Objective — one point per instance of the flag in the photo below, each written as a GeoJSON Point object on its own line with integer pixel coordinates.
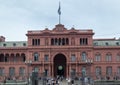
{"type": "Point", "coordinates": [59, 9]}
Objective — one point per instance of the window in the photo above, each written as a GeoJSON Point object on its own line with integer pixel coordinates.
{"type": "Point", "coordinates": [117, 43]}
{"type": "Point", "coordinates": [24, 44]}
{"type": "Point", "coordinates": [11, 71]}
{"type": "Point", "coordinates": [108, 57]}
{"type": "Point", "coordinates": [59, 41]}
{"type": "Point", "coordinates": [73, 58]}
{"type": "Point", "coordinates": [23, 57]}
{"type": "Point", "coordinates": [21, 71]}
{"type": "Point", "coordinates": [6, 58]}
{"type": "Point", "coordinates": [97, 57]}
{"type": "Point", "coordinates": [118, 57]}
{"type": "Point", "coordinates": [106, 43]}
{"type": "Point", "coordinates": [14, 44]}
{"type": "Point", "coordinates": [109, 70]}
{"type": "Point", "coordinates": [36, 69]}
{"type": "Point", "coordinates": [1, 71]}
{"type": "Point", "coordinates": [4, 44]}
{"type": "Point", "coordinates": [96, 44]}
{"type": "Point", "coordinates": [83, 41]}
{"type": "Point", "coordinates": [46, 58]}
{"type": "Point", "coordinates": [35, 42]}
{"type": "Point", "coordinates": [98, 71]}
{"type": "Point", "coordinates": [84, 56]}
{"type": "Point", "coordinates": [2, 58]}
{"type": "Point", "coordinates": [73, 72]}
{"type": "Point", "coordinates": [83, 71]}
{"type": "Point", "coordinates": [46, 72]}
{"type": "Point", "coordinates": [118, 70]}
{"type": "Point", "coordinates": [36, 55]}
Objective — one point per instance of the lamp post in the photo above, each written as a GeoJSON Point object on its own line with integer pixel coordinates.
{"type": "Point", "coordinates": [71, 74]}
{"type": "Point", "coordinates": [83, 76]}
{"type": "Point", "coordinates": [28, 63]}
{"type": "Point", "coordinates": [44, 79]}
{"type": "Point", "coordinates": [89, 62]}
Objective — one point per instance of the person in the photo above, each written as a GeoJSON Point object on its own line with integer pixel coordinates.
{"type": "Point", "coordinates": [69, 81]}
{"type": "Point", "coordinates": [72, 82]}
{"type": "Point", "coordinates": [61, 78]}
{"type": "Point", "coordinates": [57, 82]}
{"type": "Point", "coordinates": [4, 81]}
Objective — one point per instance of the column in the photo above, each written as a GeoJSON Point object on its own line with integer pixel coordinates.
{"type": "Point", "coordinates": [67, 70]}
{"type": "Point", "coordinates": [49, 70]}
{"type": "Point", "coordinates": [76, 69]}
{"type": "Point", "coordinates": [52, 75]}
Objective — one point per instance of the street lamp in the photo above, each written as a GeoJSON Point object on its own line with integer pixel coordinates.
{"type": "Point", "coordinates": [44, 79]}
{"type": "Point", "coordinates": [71, 74]}
{"type": "Point", "coordinates": [28, 63]}
{"type": "Point", "coordinates": [83, 76]}
{"type": "Point", "coordinates": [89, 62]}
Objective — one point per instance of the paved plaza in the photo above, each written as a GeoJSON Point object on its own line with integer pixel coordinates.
{"type": "Point", "coordinates": [64, 82]}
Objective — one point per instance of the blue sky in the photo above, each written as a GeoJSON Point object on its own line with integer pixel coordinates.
{"type": "Point", "coordinates": [19, 16]}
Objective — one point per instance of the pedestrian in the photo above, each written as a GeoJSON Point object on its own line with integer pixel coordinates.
{"type": "Point", "coordinates": [4, 81]}
{"type": "Point", "coordinates": [72, 82]}
{"type": "Point", "coordinates": [69, 81]}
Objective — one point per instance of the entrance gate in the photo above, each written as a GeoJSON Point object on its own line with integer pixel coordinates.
{"type": "Point", "coordinates": [60, 65]}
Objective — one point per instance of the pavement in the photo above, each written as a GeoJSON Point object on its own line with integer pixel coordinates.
{"type": "Point", "coordinates": [64, 82]}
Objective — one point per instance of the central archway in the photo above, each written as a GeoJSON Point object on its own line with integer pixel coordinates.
{"type": "Point", "coordinates": [60, 65]}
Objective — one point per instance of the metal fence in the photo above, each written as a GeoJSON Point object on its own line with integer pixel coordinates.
{"type": "Point", "coordinates": [79, 79]}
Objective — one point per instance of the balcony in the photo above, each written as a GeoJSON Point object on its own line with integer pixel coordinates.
{"type": "Point", "coordinates": [36, 62]}
{"type": "Point", "coordinates": [85, 62]}
{"type": "Point", "coordinates": [11, 63]}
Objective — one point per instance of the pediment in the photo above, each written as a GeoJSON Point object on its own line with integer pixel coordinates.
{"type": "Point", "coordinates": [59, 28]}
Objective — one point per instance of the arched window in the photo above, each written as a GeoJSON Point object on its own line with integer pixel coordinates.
{"type": "Point", "coordinates": [12, 57]}
{"type": "Point", "coordinates": [83, 71]}
{"type": "Point", "coordinates": [84, 56]}
{"type": "Point", "coordinates": [63, 41]}
{"type": "Point", "coordinates": [108, 57]}
{"type": "Point", "coordinates": [56, 41]}
{"type": "Point", "coordinates": [118, 70]}
{"type": "Point", "coordinates": [118, 57]}
{"type": "Point", "coordinates": [52, 41]}
{"type": "Point", "coordinates": [36, 69]}
{"type": "Point", "coordinates": [23, 57]}
{"type": "Point", "coordinates": [98, 71]}
{"type": "Point", "coordinates": [73, 58]}
{"type": "Point", "coordinates": [21, 71]}
{"type": "Point", "coordinates": [2, 71]}
{"type": "Point", "coordinates": [6, 58]}
{"type": "Point", "coordinates": [46, 57]}
{"type": "Point", "coordinates": [1, 57]}
{"type": "Point", "coordinates": [36, 55]}
{"type": "Point", "coordinates": [109, 70]}
{"type": "Point", "coordinates": [67, 41]}
{"type": "Point", "coordinates": [60, 43]}
{"type": "Point", "coordinates": [97, 57]}
{"type": "Point", "coordinates": [11, 71]}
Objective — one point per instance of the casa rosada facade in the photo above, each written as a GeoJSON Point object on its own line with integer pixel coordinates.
{"type": "Point", "coordinates": [62, 52]}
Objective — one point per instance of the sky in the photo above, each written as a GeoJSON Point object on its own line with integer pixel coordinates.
{"type": "Point", "coordinates": [19, 16]}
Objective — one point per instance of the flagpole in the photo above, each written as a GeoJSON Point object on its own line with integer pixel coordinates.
{"type": "Point", "coordinates": [59, 12]}
{"type": "Point", "coordinates": [59, 19]}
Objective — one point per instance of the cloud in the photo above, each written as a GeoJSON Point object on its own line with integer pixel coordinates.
{"type": "Point", "coordinates": [23, 15]}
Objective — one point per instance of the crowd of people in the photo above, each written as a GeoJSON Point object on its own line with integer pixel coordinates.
{"type": "Point", "coordinates": [54, 81]}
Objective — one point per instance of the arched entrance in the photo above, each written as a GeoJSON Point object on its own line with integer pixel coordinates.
{"type": "Point", "coordinates": [60, 65]}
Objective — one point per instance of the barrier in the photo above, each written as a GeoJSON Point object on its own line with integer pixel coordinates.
{"type": "Point", "coordinates": [13, 82]}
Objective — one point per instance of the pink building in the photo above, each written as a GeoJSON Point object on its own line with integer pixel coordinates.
{"type": "Point", "coordinates": [60, 52]}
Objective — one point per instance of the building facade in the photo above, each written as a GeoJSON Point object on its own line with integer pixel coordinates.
{"type": "Point", "coordinates": [60, 52]}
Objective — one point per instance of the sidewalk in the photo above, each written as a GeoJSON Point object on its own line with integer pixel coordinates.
{"type": "Point", "coordinates": [64, 82]}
